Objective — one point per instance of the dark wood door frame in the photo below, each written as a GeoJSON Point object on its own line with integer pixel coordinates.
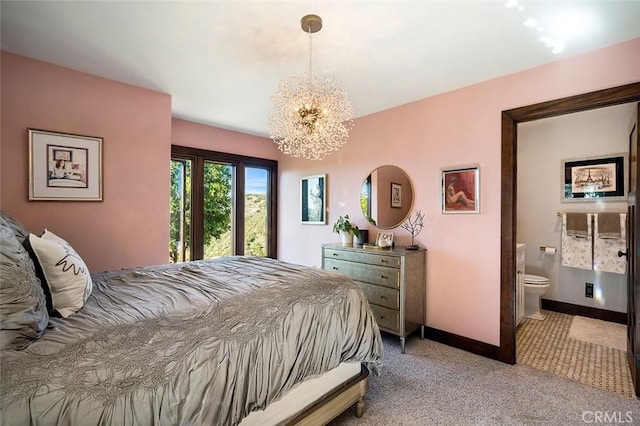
{"type": "Point", "coordinates": [510, 119]}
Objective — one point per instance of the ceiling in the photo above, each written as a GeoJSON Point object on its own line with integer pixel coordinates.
{"type": "Point", "coordinates": [221, 61]}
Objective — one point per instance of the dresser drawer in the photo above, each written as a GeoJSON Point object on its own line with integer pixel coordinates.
{"type": "Point", "coordinates": [383, 296]}
{"type": "Point", "coordinates": [363, 257]}
{"type": "Point", "coordinates": [387, 319]}
{"type": "Point", "coordinates": [380, 275]}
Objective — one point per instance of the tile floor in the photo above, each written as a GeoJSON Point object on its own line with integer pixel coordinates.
{"type": "Point", "coordinates": [546, 345]}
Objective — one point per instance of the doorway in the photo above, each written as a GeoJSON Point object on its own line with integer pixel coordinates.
{"type": "Point", "coordinates": [510, 120]}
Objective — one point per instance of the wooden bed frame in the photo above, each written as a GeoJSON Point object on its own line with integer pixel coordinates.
{"type": "Point", "coordinates": [337, 401]}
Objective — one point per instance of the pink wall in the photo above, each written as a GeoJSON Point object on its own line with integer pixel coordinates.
{"type": "Point", "coordinates": [458, 128]}
{"type": "Point", "coordinates": [194, 135]}
{"type": "Point", "coordinates": [450, 130]}
{"type": "Point", "coordinates": [130, 227]}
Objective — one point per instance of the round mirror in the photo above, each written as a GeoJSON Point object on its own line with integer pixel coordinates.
{"type": "Point", "coordinates": [386, 197]}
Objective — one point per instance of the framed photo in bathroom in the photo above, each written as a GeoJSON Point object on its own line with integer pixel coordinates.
{"type": "Point", "coordinates": [461, 190]}
{"type": "Point", "coordinates": [593, 178]}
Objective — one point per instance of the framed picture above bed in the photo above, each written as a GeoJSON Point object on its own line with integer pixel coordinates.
{"type": "Point", "coordinates": [64, 167]}
{"type": "Point", "coordinates": [313, 196]}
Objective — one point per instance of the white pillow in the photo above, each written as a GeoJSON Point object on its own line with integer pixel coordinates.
{"type": "Point", "coordinates": [65, 278]}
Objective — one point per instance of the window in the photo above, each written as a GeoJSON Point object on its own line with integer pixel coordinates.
{"type": "Point", "coordinates": [221, 204]}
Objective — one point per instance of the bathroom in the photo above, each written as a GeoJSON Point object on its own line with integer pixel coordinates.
{"type": "Point", "coordinates": [543, 145]}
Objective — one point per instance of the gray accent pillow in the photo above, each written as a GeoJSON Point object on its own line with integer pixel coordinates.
{"type": "Point", "coordinates": [23, 309]}
{"type": "Point", "coordinates": [18, 229]}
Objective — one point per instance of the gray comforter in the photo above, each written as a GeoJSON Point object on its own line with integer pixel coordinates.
{"type": "Point", "coordinates": [195, 343]}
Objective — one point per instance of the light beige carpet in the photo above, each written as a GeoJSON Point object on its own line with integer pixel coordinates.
{"type": "Point", "coordinates": [599, 332]}
{"type": "Point", "coordinates": [437, 385]}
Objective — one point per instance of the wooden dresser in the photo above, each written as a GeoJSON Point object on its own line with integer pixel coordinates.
{"type": "Point", "coordinates": [392, 279]}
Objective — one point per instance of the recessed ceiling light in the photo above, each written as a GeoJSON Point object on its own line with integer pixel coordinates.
{"type": "Point", "coordinates": [572, 25]}
{"type": "Point", "coordinates": [558, 47]}
{"type": "Point", "coordinates": [555, 32]}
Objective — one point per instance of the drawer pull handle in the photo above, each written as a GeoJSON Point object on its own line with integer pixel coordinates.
{"type": "Point", "coordinates": [335, 254]}
{"type": "Point", "coordinates": [382, 297]}
{"type": "Point", "coordinates": [383, 277]}
{"type": "Point", "coordinates": [335, 268]}
{"type": "Point", "coordinates": [383, 260]}
{"type": "Point", "coordinates": [381, 317]}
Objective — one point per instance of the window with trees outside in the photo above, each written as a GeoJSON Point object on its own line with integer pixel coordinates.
{"type": "Point", "coordinates": [221, 205]}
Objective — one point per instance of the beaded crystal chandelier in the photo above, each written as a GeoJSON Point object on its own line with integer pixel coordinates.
{"type": "Point", "coordinates": [312, 115]}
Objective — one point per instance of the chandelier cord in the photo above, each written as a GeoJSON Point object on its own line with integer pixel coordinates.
{"type": "Point", "coordinates": [310, 55]}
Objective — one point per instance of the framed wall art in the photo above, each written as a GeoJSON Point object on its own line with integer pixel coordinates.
{"type": "Point", "coordinates": [589, 179]}
{"type": "Point", "coordinates": [313, 195]}
{"type": "Point", "coordinates": [396, 195]}
{"type": "Point", "coordinates": [461, 190]}
{"type": "Point", "coordinates": [64, 167]}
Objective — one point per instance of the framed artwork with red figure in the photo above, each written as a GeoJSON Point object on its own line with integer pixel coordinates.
{"type": "Point", "coordinates": [461, 190]}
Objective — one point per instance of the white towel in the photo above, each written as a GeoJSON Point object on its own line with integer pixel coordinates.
{"type": "Point", "coordinates": [577, 251]}
{"type": "Point", "coordinates": [605, 250]}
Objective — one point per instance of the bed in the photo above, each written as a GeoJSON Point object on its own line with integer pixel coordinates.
{"type": "Point", "coordinates": [237, 340]}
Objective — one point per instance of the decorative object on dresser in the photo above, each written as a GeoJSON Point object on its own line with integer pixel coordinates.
{"type": "Point", "coordinates": [346, 230]}
{"type": "Point", "coordinates": [414, 227]}
{"type": "Point", "coordinates": [313, 195]}
{"type": "Point", "coordinates": [461, 190]}
{"type": "Point", "coordinates": [363, 237]}
{"type": "Point", "coordinates": [64, 167]}
{"type": "Point", "coordinates": [385, 239]}
{"type": "Point", "coordinates": [393, 281]}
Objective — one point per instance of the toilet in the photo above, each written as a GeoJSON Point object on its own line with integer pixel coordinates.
{"type": "Point", "coordinates": [534, 287]}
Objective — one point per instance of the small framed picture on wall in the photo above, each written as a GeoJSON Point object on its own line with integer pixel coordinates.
{"type": "Point", "coordinates": [461, 190]}
{"type": "Point", "coordinates": [313, 195]}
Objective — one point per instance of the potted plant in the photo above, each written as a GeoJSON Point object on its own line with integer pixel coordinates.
{"type": "Point", "coordinates": [346, 230]}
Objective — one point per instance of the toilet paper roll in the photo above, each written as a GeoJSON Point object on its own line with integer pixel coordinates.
{"type": "Point", "coordinates": [550, 250]}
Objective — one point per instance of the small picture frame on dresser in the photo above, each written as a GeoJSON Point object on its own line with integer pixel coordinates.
{"type": "Point", "coordinates": [384, 239]}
